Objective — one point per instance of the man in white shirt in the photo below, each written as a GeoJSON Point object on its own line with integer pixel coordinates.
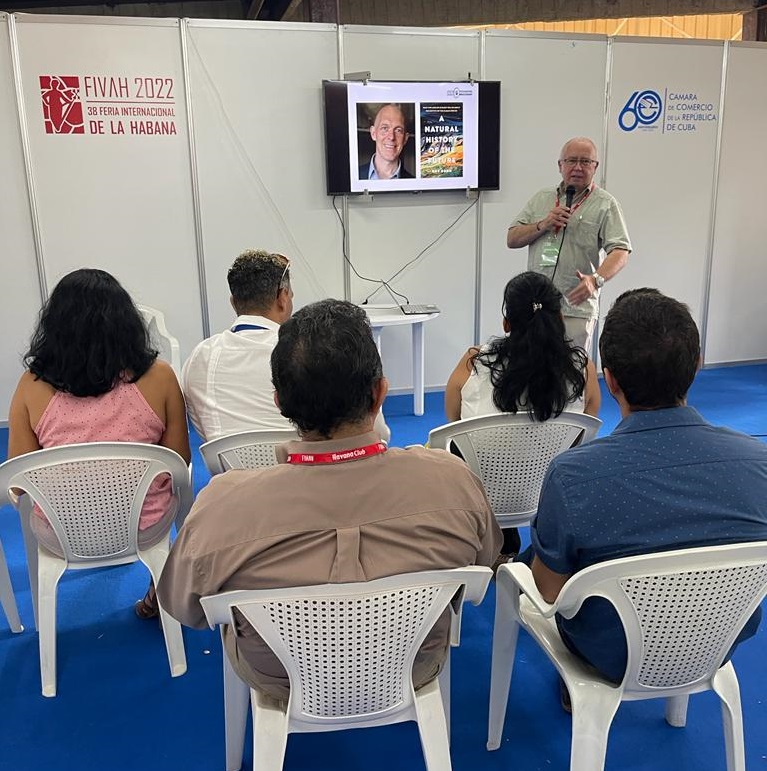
{"type": "Point", "coordinates": [227, 379]}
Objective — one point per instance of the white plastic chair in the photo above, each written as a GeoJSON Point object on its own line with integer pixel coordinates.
{"type": "Point", "coordinates": [7, 598]}
{"type": "Point", "coordinates": [348, 650]}
{"type": "Point", "coordinates": [92, 496]}
{"type": "Point", "coordinates": [166, 344]}
{"type": "Point", "coordinates": [511, 453]}
{"type": "Point", "coordinates": [244, 450]}
{"type": "Point", "coordinates": [681, 612]}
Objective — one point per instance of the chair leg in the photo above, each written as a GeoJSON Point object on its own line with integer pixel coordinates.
{"type": "Point", "coordinates": [725, 684]}
{"type": "Point", "coordinates": [174, 643]}
{"type": "Point", "coordinates": [49, 570]}
{"type": "Point", "coordinates": [236, 695]}
{"type": "Point", "coordinates": [7, 598]}
{"type": "Point", "coordinates": [593, 712]}
{"type": "Point", "coordinates": [270, 732]}
{"type": "Point", "coordinates": [30, 547]}
{"type": "Point", "coordinates": [455, 625]}
{"type": "Point", "coordinates": [444, 689]}
{"type": "Point", "coordinates": [505, 634]}
{"type": "Point", "coordinates": [676, 711]}
{"type": "Point", "coordinates": [154, 558]}
{"type": "Point", "coordinates": [432, 727]}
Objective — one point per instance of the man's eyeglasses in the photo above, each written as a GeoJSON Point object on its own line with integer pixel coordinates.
{"type": "Point", "coordinates": [284, 273]}
{"type": "Point", "coordinates": [587, 163]}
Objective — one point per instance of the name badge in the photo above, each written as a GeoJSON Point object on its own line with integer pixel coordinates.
{"type": "Point", "coordinates": [550, 253]}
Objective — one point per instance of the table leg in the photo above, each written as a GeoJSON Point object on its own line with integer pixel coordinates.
{"type": "Point", "coordinates": [418, 368]}
{"type": "Point", "coordinates": [377, 337]}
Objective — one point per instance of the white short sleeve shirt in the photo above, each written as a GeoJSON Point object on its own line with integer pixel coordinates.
{"type": "Point", "coordinates": [227, 380]}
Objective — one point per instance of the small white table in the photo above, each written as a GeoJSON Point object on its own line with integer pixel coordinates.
{"type": "Point", "coordinates": [391, 316]}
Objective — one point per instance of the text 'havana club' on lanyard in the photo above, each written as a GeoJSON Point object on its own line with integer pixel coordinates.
{"type": "Point", "coordinates": [574, 208]}
{"type": "Point", "coordinates": [339, 456]}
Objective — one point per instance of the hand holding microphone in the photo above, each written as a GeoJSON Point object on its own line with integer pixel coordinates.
{"type": "Point", "coordinates": [559, 216]}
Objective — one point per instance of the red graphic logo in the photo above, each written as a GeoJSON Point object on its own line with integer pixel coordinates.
{"type": "Point", "coordinates": [62, 108]}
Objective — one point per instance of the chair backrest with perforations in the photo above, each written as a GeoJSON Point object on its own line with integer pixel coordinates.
{"type": "Point", "coordinates": [348, 648]}
{"type": "Point", "coordinates": [244, 450]}
{"type": "Point", "coordinates": [92, 494]}
{"type": "Point", "coordinates": [681, 610]}
{"type": "Point", "coordinates": [511, 453]}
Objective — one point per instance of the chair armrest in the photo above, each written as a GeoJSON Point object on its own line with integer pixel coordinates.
{"type": "Point", "coordinates": [520, 574]}
{"type": "Point", "coordinates": [475, 590]}
{"type": "Point", "coordinates": [439, 437]}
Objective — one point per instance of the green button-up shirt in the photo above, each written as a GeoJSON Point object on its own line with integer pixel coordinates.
{"type": "Point", "coordinates": [596, 225]}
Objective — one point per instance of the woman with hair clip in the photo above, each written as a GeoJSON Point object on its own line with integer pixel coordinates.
{"type": "Point", "coordinates": [93, 376]}
{"type": "Point", "coordinates": [533, 368]}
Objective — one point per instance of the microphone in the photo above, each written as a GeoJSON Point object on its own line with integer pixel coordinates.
{"type": "Point", "coordinates": [569, 195]}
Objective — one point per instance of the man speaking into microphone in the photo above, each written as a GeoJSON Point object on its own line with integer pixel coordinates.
{"type": "Point", "coordinates": [567, 229]}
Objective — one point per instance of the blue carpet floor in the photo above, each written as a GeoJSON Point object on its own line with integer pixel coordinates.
{"type": "Point", "coordinates": [118, 708]}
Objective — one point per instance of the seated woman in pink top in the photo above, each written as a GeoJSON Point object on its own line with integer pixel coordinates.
{"type": "Point", "coordinates": [93, 376]}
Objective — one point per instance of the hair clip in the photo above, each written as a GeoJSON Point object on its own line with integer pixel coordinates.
{"type": "Point", "coordinates": [537, 307]}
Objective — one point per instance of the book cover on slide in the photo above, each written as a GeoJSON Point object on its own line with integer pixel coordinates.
{"type": "Point", "coordinates": [441, 140]}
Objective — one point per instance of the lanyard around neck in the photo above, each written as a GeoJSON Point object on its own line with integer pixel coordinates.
{"type": "Point", "coordinates": [243, 327]}
{"type": "Point", "coordinates": [574, 208]}
{"type": "Point", "coordinates": [577, 206]}
{"type": "Point", "coordinates": [339, 456]}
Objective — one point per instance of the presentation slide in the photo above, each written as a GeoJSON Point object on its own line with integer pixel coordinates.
{"type": "Point", "coordinates": [412, 136]}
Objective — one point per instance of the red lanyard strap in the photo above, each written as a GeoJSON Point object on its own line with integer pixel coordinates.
{"type": "Point", "coordinates": [574, 208]}
{"type": "Point", "coordinates": [339, 456]}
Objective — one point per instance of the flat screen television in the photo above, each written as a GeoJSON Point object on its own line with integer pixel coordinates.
{"type": "Point", "coordinates": [395, 136]}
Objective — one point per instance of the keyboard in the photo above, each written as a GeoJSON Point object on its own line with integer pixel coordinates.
{"type": "Point", "coordinates": [413, 310]}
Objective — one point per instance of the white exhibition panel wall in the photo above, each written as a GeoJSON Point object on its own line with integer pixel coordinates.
{"type": "Point", "coordinates": [538, 116]}
{"type": "Point", "coordinates": [18, 271]}
{"type": "Point", "coordinates": [106, 115]}
{"type": "Point", "coordinates": [391, 229]}
{"type": "Point", "coordinates": [123, 201]}
{"type": "Point", "coordinates": [737, 324]}
{"type": "Point", "coordinates": [256, 94]}
{"type": "Point", "coordinates": [662, 135]}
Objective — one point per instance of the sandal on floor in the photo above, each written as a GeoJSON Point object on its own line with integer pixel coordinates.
{"type": "Point", "coordinates": [148, 607]}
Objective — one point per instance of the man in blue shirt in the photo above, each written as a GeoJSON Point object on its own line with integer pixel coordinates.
{"type": "Point", "coordinates": [664, 479]}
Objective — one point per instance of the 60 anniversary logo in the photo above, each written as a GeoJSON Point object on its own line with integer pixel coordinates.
{"type": "Point", "coordinates": [643, 108]}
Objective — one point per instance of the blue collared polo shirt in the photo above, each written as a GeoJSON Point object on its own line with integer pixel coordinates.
{"type": "Point", "coordinates": [664, 479]}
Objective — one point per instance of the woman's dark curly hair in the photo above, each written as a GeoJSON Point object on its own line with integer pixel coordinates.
{"type": "Point", "coordinates": [89, 336]}
{"type": "Point", "coordinates": [535, 367]}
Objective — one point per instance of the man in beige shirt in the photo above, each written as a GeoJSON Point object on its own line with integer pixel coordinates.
{"type": "Point", "coordinates": [339, 507]}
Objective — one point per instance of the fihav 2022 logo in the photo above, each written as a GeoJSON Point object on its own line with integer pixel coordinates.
{"type": "Point", "coordinates": [62, 108]}
{"type": "Point", "coordinates": [642, 110]}
{"type": "Point", "coordinates": [117, 105]}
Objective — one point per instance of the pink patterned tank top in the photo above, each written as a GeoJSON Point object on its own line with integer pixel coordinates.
{"type": "Point", "coordinates": [120, 415]}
